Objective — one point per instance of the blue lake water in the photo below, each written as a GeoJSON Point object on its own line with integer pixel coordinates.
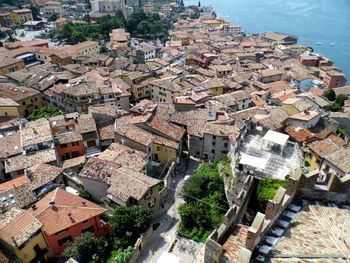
{"type": "Point", "coordinates": [324, 21]}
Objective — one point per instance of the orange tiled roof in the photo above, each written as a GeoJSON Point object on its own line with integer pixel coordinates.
{"type": "Point", "coordinates": [56, 217]}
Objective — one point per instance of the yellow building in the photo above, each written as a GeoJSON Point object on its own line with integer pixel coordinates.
{"type": "Point", "coordinates": [164, 90]}
{"type": "Point", "coordinates": [18, 101]}
{"type": "Point", "coordinates": [21, 235]}
{"type": "Point", "coordinates": [317, 151]}
{"type": "Point", "coordinates": [164, 151]}
{"type": "Point", "coordinates": [215, 85]}
{"type": "Point", "coordinates": [20, 16]}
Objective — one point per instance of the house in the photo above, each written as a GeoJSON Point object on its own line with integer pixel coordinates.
{"type": "Point", "coordinates": [98, 171]}
{"type": "Point", "coordinates": [164, 90]}
{"type": "Point", "coordinates": [37, 145]}
{"type": "Point", "coordinates": [16, 193]}
{"type": "Point", "coordinates": [128, 188]}
{"type": "Point", "coordinates": [305, 119]}
{"type": "Point", "coordinates": [10, 145]}
{"type": "Point", "coordinates": [295, 105]}
{"type": "Point", "coordinates": [51, 8]}
{"type": "Point", "coordinates": [9, 64]}
{"type": "Point", "coordinates": [271, 75]}
{"type": "Point", "coordinates": [318, 150]}
{"type": "Point", "coordinates": [148, 8]}
{"type": "Point", "coordinates": [34, 25]}
{"type": "Point", "coordinates": [20, 16]}
{"type": "Point", "coordinates": [120, 39]}
{"type": "Point", "coordinates": [21, 235]}
{"type": "Point", "coordinates": [44, 178]}
{"type": "Point", "coordinates": [332, 77]}
{"type": "Point", "coordinates": [65, 216]}
{"type": "Point", "coordinates": [145, 53]}
{"type": "Point", "coordinates": [162, 149]}
{"type": "Point", "coordinates": [278, 38]}
{"type": "Point", "coordinates": [337, 163]}
{"type": "Point", "coordinates": [18, 100]}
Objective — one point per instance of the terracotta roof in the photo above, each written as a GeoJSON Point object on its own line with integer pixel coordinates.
{"type": "Point", "coordinates": [16, 193]}
{"type": "Point", "coordinates": [127, 183]}
{"type": "Point", "coordinates": [42, 174]}
{"type": "Point", "coordinates": [300, 135]}
{"type": "Point", "coordinates": [17, 226]}
{"type": "Point", "coordinates": [171, 130]}
{"type": "Point", "coordinates": [10, 145]}
{"type": "Point", "coordinates": [36, 132]}
{"type": "Point", "coordinates": [323, 148]}
{"type": "Point", "coordinates": [22, 161]}
{"type": "Point", "coordinates": [65, 210]}
{"type": "Point", "coordinates": [340, 159]}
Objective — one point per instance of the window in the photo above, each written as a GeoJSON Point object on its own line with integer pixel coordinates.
{"type": "Point", "coordinates": [34, 99]}
{"type": "Point", "coordinates": [89, 229]}
{"type": "Point", "coordinates": [326, 169]}
{"type": "Point", "coordinates": [213, 151]}
{"type": "Point", "coordinates": [62, 231]}
{"type": "Point", "coordinates": [85, 221]}
{"type": "Point", "coordinates": [23, 103]}
{"type": "Point", "coordinates": [75, 143]}
{"type": "Point", "coordinates": [214, 137]}
{"type": "Point", "coordinates": [64, 145]}
{"type": "Point", "coordinates": [225, 144]}
{"type": "Point", "coordinates": [65, 240]}
{"type": "Point", "coordinates": [213, 143]}
{"type": "Point", "coordinates": [75, 154]}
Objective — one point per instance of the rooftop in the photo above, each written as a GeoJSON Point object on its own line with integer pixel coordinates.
{"type": "Point", "coordinates": [60, 210]}
{"type": "Point", "coordinates": [127, 183]}
{"type": "Point", "coordinates": [269, 162]}
{"type": "Point", "coordinates": [318, 230]}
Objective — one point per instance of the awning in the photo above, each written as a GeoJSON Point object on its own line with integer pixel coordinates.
{"type": "Point", "coordinates": [253, 161]}
{"type": "Point", "coordinates": [276, 137]}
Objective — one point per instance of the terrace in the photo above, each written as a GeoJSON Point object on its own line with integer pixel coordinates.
{"type": "Point", "coordinates": [269, 156]}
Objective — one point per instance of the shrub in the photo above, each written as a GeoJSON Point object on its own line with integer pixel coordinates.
{"type": "Point", "coordinates": [204, 194]}
{"type": "Point", "coordinates": [306, 163]}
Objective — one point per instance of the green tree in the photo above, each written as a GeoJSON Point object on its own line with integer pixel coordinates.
{"type": "Point", "coordinates": [122, 255]}
{"type": "Point", "coordinates": [103, 49]}
{"type": "Point", "coordinates": [341, 98]}
{"type": "Point", "coordinates": [336, 107]}
{"type": "Point", "coordinates": [84, 247]}
{"type": "Point", "coordinates": [331, 95]}
{"type": "Point", "coordinates": [78, 37]}
{"type": "Point", "coordinates": [46, 111]}
{"type": "Point", "coordinates": [205, 198]}
{"type": "Point", "coordinates": [142, 218]}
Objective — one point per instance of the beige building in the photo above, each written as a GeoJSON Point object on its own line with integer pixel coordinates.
{"type": "Point", "coordinates": [148, 8]}
{"type": "Point", "coordinates": [164, 90]}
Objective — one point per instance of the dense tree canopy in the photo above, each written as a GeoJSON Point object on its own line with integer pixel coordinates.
{"type": "Point", "coordinates": [128, 223]}
{"type": "Point", "coordinates": [139, 25]}
{"type": "Point", "coordinates": [84, 247]}
{"type": "Point", "coordinates": [204, 194]}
